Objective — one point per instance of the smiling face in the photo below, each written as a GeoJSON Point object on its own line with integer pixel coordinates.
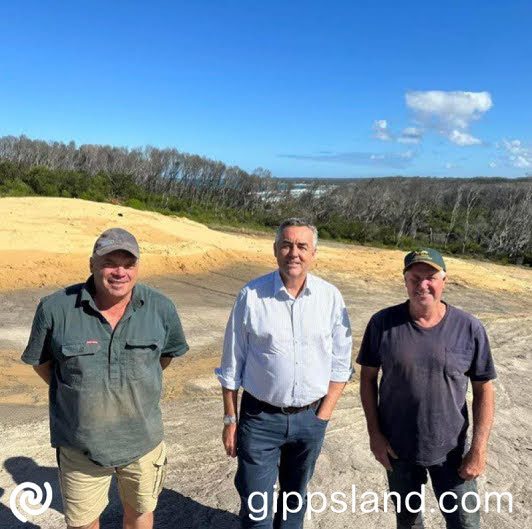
{"type": "Point", "coordinates": [294, 252]}
{"type": "Point", "coordinates": [424, 285]}
{"type": "Point", "coordinates": [115, 274]}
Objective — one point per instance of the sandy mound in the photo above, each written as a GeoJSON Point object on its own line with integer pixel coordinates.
{"type": "Point", "coordinates": [47, 241]}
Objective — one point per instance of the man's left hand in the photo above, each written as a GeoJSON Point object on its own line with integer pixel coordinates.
{"type": "Point", "coordinates": [472, 465]}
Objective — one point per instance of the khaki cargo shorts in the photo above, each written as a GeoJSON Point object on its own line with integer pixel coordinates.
{"type": "Point", "coordinates": [85, 485]}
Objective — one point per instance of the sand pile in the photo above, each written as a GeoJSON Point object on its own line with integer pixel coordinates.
{"type": "Point", "coordinates": [47, 241]}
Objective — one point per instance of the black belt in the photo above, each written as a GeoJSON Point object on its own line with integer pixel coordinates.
{"type": "Point", "coordinates": [287, 410]}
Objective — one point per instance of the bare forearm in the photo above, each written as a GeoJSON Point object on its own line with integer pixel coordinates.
{"type": "Point", "coordinates": [230, 401]}
{"type": "Point", "coordinates": [229, 436]}
{"type": "Point", "coordinates": [331, 399]}
{"type": "Point", "coordinates": [44, 371]}
{"type": "Point", "coordinates": [474, 462]}
{"type": "Point", "coordinates": [483, 411]}
{"type": "Point", "coordinates": [369, 395]}
{"type": "Point", "coordinates": [369, 398]}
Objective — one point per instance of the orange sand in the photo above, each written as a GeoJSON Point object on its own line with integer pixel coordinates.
{"type": "Point", "coordinates": [47, 241]}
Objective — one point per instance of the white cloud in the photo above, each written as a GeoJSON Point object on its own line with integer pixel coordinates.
{"type": "Point", "coordinates": [521, 162]}
{"type": "Point", "coordinates": [463, 139]}
{"type": "Point", "coordinates": [451, 113]}
{"type": "Point", "coordinates": [407, 155]}
{"type": "Point", "coordinates": [410, 135]}
{"type": "Point", "coordinates": [492, 164]}
{"type": "Point", "coordinates": [387, 159]}
{"type": "Point", "coordinates": [453, 109]}
{"type": "Point", "coordinates": [519, 156]}
{"type": "Point", "coordinates": [513, 146]}
{"type": "Point", "coordinates": [380, 130]}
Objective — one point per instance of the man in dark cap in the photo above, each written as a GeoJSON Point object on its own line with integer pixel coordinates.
{"type": "Point", "coordinates": [101, 346]}
{"type": "Point", "coordinates": [417, 417]}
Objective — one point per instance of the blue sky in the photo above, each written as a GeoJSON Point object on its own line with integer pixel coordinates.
{"type": "Point", "coordinates": [336, 89]}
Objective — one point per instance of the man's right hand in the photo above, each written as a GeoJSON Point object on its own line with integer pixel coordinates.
{"type": "Point", "coordinates": [229, 439]}
{"type": "Point", "coordinates": [381, 449]}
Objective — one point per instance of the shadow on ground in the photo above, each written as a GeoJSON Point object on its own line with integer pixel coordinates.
{"type": "Point", "coordinates": [173, 510]}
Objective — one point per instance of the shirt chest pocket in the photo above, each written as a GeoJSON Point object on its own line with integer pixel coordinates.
{"type": "Point", "coordinates": [142, 357]}
{"type": "Point", "coordinates": [458, 361]}
{"type": "Point", "coordinates": [79, 364]}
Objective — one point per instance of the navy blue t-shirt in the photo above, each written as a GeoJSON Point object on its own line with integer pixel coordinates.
{"type": "Point", "coordinates": [422, 392]}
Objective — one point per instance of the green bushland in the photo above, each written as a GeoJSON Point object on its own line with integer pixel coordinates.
{"type": "Point", "coordinates": [495, 225]}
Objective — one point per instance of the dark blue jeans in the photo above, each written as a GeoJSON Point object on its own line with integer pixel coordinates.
{"type": "Point", "coordinates": [271, 445]}
{"type": "Point", "coordinates": [408, 477]}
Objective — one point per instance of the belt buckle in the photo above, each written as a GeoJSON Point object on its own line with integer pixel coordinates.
{"type": "Point", "coordinates": [285, 410]}
{"type": "Point", "coordinates": [291, 410]}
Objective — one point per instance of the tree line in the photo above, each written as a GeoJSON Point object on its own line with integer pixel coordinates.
{"type": "Point", "coordinates": [489, 217]}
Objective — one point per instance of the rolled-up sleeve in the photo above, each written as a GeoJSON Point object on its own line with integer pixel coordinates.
{"type": "Point", "coordinates": [235, 346]}
{"type": "Point", "coordinates": [38, 349]}
{"type": "Point", "coordinates": [341, 369]}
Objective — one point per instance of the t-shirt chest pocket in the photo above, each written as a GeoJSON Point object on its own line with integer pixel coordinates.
{"type": "Point", "coordinates": [458, 360]}
{"type": "Point", "coordinates": [142, 357]}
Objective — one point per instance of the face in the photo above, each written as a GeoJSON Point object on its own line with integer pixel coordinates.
{"type": "Point", "coordinates": [295, 252]}
{"type": "Point", "coordinates": [424, 285]}
{"type": "Point", "coordinates": [115, 274]}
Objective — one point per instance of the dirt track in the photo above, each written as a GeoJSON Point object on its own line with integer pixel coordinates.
{"type": "Point", "coordinates": [199, 492]}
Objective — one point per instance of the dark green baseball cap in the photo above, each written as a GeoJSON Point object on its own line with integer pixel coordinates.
{"type": "Point", "coordinates": [425, 255]}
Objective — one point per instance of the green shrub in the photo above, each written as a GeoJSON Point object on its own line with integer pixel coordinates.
{"type": "Point", "coordinates": [135, 203]}
{"type": "Point", "coordinates": [16, 188]}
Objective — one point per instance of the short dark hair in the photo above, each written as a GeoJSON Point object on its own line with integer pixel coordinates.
{"type": "Point", "coordinates": [295, 221]}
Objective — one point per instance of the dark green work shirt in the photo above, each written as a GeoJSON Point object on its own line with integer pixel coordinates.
{"type": "Point", "coordinates": [105, 385]}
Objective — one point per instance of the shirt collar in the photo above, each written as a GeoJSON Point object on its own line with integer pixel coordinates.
{"type": "Point", "coordinates": [88, 291]}
{"type": "Point", "coordinates": [278, 285]}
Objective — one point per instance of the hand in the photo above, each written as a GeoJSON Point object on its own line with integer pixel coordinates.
{"type": "Point", "coordinates": [322, 413]}
{"type": "Point", "coordinates": [229, 439]}
{"type": "Point", "coordinates": [473, 464]}
{"type": "Point", "coordinates": [381, 449]}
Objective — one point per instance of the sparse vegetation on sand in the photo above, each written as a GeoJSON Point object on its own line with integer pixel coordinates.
{"type": "Point", "coordinates": [478, 217]}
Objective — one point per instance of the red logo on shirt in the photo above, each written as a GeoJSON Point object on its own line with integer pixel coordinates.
{"type": "Point", "coordinates": [92, 342]}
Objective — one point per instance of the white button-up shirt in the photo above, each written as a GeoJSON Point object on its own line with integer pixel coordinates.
{"type": "Point", "coordinates": [285, 350]}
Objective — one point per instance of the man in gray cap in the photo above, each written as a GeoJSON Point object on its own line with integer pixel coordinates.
{"type": "Point", "coordinates": [417, 418]}
{"type": "Point", "coordinates": [101, 346]}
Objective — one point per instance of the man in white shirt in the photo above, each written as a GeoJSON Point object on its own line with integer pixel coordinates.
{"type": "Point", "coordinates": [288, 345]}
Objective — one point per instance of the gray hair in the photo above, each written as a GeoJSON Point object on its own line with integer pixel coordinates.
{"type": "Point", "coordinates": [294, 221]}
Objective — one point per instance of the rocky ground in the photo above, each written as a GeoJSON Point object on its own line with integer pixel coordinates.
{"type": "Point", "coordinates": [199, 491]}
{"type": "Point", "coordinates": [45, 243]}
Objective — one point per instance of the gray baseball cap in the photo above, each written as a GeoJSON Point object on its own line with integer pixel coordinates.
{"type": "Point", "coordinates": [116, 239]}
